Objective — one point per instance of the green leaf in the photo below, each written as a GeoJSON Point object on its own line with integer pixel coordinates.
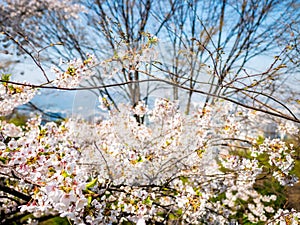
{"type": "Point", "coordinates": [179, 212]}
{"type": "Point", "coordinates": [260, 140]}
{"type": "Point", "coordinates": [64, 174]}
{"type": "Point", "coordinates": [140, 159]}
{"type": "Point", "coordinates": [147, 201]}
{"type": "Point", "coordinates": [5, 77]}
{"type": "Point", "coordinates": [172, 216]}
{"type": "Point", "coordinates": [2, 159]}
{"type": "Point", "coordinates": [89, 198]}
{"type": "Point", "coordinates": [91, 183]}
{"type": "Point", "coordinates": [55, 221]}
{"type": "Point", "coordinates": [184, 179]}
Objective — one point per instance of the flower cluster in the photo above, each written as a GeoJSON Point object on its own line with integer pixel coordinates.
{"type": "Point", "coordinates": [170, 167]}
{"type": "Point", "coordinates": [144, 54]}
{"type": "Point", "coordinates": [288, 128]}
{"type": "Point", "coordinates": [240, 189]}
{"type": "Point", "coordinates": [76, 71]}
{"type": "Point", "coordinates": [280, 156]}
{"type": "Point", "coordinates": [144, 157]}
{"type": "Point", "coordinates": [22, 10]}
{"type": "Point", "coordinates": [130, 59]}
{"type": "Point", "coordinates": [44, 158]}
{"type": "Point", "coordinates": [12, 95]}
{"type": "Point", "coordinates": [285, 217]}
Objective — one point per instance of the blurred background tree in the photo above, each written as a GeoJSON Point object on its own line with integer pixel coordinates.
{"type": "Point", "coordinates": [242, 50]}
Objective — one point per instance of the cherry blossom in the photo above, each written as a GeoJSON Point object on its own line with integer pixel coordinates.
{"type": "Point", "coordinates": [14, 11]}
{"type": "Point", "coordinates": [76, 71]}
{"type": "Point", "coordinates": [167, 167]}
{"type": "Point", "coordinates": [12, 95]}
